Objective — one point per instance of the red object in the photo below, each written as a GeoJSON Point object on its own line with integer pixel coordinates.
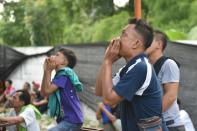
{"type": "Point", "coordinates": [9, 90]}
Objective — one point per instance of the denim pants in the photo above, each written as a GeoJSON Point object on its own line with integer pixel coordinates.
{"type": "Point", "coordinates": [66, 126]}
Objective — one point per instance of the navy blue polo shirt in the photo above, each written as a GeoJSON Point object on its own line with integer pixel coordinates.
{"type": "Point", "coordinates": [142, 95]}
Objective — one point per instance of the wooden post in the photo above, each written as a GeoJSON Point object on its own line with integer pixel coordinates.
{"type": "Point", "coordinates": [137, 9]}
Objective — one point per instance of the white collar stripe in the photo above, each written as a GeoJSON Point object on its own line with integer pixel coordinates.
{"type": "Point", "coordinates": [131, 67]}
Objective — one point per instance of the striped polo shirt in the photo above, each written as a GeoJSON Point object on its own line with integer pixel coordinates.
{"type": "Point", "coordinates": [137, 83]}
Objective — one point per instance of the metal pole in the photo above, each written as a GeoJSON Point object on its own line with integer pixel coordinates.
{"type": "Point", "coordinates": [137, 9]}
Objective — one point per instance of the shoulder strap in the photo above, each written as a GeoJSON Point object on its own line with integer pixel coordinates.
{"type": "Point", "coordinates": [157, 66]}
{"type": "Point", "coordinates": [161, 61]}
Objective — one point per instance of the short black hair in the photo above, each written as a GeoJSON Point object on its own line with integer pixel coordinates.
{"type": "Point", "coordinates": [70, 55]}
{"type": "Point", "coordinates": [144, 30]}
{"type": "Point", "coordinates": [9, 81]}
{"type": "Point", "coordinates": [28, 84]}
{"type": "Point", "coordinates": [24, 96]}
{"type": "Point", "coordinates": [161, 36]}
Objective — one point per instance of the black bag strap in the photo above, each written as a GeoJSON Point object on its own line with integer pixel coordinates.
{"type": "Point", "coordinates": [157, 66]}
{"type": "Point", "coordinates": [172, 58]}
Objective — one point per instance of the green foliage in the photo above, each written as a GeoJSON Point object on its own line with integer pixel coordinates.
{"type": "Point", "coordinates": [192, 35]}
{"type": "Point", "coordinates": [169, 14]}
{"type": "Point", "coordinates": [102, 30]}
{"type": "Point", "coordinates": [108, 28]}
{"type": "Point", "coordinates": [73, 34]}
{"type": "Point", "coordinates": [192, 21]}
{"type": "Point", "coordinates": [50, 22]}
{"type": "Point", "coordinates": [176, 35]}
{"type": "Point", "coordinates": [14, 33]}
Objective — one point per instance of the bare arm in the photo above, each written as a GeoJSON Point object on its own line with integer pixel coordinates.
{"type": "Point", "coordinates": [47, 87]}
{"type": "Point", "coordinates": [39, 103]}
{"type": "Point", "coordinates": [110, 97]}
{"type": "Point", "coordinates": [14, 119]}
{"type": "Point", "coordinates": [170, 95]}
{"type": "Point", "coordinates": [98, 90]}
{"type": "Point", "coordinates": [109, 114]}
{"type": "Point", "coordinates": [98, 114]}
{"type": "Point", "coordinates": [42, 91]}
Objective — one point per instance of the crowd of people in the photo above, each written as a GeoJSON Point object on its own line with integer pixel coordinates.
{"type": "Point", "coordinates": [142, 96]}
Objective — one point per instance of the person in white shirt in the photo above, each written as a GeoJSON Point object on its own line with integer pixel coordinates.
{"type": "Point", "coordinates": [27, 114]}
{"type": "Point", "coordinates": [12, 127]}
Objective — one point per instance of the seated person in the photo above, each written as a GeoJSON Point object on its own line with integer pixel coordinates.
{"type": "Point", "coordinates": [6, 96]}
{"type": "Point", "coordinates": [26, 114]}
{"type": "Point", "coordinates": [9, 89]}
{"type": "Point", "coordinates": [109, 117]}
{"type": "Point", "coordinates": [27, 87]}
{"type": "Point", "coordinates": [37, 100]}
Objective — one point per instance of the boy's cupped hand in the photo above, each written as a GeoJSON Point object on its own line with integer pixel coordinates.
{"type": "Point", "coordinates": [49, 64]}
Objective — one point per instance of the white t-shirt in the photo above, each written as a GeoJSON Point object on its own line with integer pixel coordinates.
{"type": "Point", "coordinates": [170, 73]}
{"type": "Point", "coordinates": [186, 121]}
{"type": "Point", "coordinates": [30, 120]}
{"type": "Point", "coordinates": [13, 127]}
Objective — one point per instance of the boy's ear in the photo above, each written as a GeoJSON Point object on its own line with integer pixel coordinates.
{"type": "Point", "coordinates": [65, 62]}
{"type": "Point", "coordinates": [160, 45]}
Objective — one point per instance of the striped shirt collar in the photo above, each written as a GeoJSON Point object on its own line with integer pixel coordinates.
{"type": "Point", "coordinates": [132, 61]}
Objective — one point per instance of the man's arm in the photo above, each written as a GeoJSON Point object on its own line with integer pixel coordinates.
{"type": "Point", "coordinates": [170, 82]}
{"type": "Point", "coordinates": [109, 114]}
{"type": "Point", "coordinates": [39, 103]}
{"type": "Point", "coordinates": [14, 119]}
{"type": "Point", "coordinates": [98, 114]}
{"type": "Point", "coordinates": [170, 94]}
{"type": "Point", "coordinates": [110, 97]}
{"type": "Point", "coordinates": [98, 90]}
